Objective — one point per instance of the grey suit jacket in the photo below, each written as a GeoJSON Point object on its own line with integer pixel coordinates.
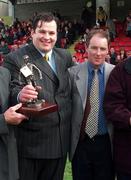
{"type": "Point", "coordinates": [79, 82]}
{"type": "Point", "coordinates": [8, 152]}
{"type": "Point", "coordinates": [47, 136]}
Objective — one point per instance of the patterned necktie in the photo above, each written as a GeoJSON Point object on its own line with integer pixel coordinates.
{"type": "Point", "coordinates": [46, 58]}
{"type": "Point", "coordinates": [92, 121]}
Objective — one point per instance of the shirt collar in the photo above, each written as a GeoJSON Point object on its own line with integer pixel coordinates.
{"type": "Point", "coordinates": [49, 53]}
{"type": "Point", "coordinates": [91, 68]}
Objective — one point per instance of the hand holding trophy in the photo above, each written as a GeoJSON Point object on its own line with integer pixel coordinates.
{"type": "Point", "coordinates": [28, 95]}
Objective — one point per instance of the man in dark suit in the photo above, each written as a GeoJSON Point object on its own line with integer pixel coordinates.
{"type": "Point", "coordinates": [118, 111]}
{"type": "Point", "coordinates": [43, 142]}
{"type": "Point", "coordinates": [90, 150]}
{"type": "Point", "coordinates": [8, 118]}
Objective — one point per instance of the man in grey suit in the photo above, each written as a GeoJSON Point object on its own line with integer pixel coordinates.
{"type": "Point", "coordinates": [8, 118]}
{"type": "Point", "coordinates": [43, 142]}
{"type": "Point", "coordinates": [90, 150]}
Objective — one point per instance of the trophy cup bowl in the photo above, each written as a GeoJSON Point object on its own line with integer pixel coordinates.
{"type": "Point", "coordinates": [34, 107]}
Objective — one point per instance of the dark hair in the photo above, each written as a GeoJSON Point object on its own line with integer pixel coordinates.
{"type": "Point", "coordinates": [43, 17]}
{"type": "Point", "coordinates": [102, 33]}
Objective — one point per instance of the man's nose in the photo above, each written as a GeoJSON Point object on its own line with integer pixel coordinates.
{"type": "Point", "coordinates": [98, 51]}
{"type": "Point", "coordinates": [46, 35]}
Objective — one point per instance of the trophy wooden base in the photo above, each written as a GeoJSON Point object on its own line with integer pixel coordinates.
{"type": "Point", "coordinates": [38, 110]}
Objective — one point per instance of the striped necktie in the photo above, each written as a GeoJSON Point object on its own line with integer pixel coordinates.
{"type": "Point", "coordinates": [92, 121]}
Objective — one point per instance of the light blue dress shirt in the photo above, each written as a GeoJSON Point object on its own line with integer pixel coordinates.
{"type": "Point", "coordinates": [51, 60]}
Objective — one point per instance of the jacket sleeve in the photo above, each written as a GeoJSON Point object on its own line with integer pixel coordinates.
{"type": "Point", "coordinates": [3, 125]}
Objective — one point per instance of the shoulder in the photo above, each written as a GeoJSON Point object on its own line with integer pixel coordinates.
{"type": "Point", "coordinates": [4, 70]}
{"type": "Point", "coordinates": [122, 66]}
{"type": "Point", "coordinates": [77, 68]}
{"type": "Point", "coordinates": [15, 58]}
{"type": "Point", "coordinates": [64, 56]}
{"type": "Point", "coordinates": [18, 51]}
{"type": "Point", "coordinates": [23, 50]}
{"type": "Point", "coordinates": [119, 72]}
{"type": "Point", "coordinates": [109, 67]}
{"type": "Point", "coordinates": [61, 51]}
{"type": "Point", "coordinates": [127, 65]}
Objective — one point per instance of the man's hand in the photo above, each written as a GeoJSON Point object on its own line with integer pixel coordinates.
{"type": "Point", "coordinates": [28, 93]}
{"type": "Point", "coordinates": [12, 117]}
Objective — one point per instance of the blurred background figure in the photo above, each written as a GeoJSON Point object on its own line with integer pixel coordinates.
{"type": "Point", "coordinates": [101, 16]}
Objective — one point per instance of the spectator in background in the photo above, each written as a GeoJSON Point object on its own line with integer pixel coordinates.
{"type": "Point", "coordinates": [2, 25]}
{"type": "Point", "coordinates": [118, 58]}
{"type": "Point", "coordinates": [110, 25]}
{"type": "Point", "coordinates": [123, 54]}
{"type": "Point", "coordinates": [65, 36]}
{"type": "Point", "coordinates": [88, 17]}
{"type": "Point", "coordinates": [57, 14]}
{"type": "Point", "coordinates": [16, 23]}
{"type": "Point", "coordinates": [84, 16]}
{"type": "Point", "coordinates": [1, 38]}
{"type": "Point", "coordinates": [77, 28]}
{"type": "Point", "coordinates": [113, 56]}
{"type": "Point", "coordinates": [85, 34]}
{"type": "Point", "coordinates": [101, 16]}
{"type": "Point", "coordinates": [58, 43]}
{"type": "Point", "coordinates": [128, 22]}
{"type": "Point", "coordinates": [4, 48]}
{"type": "Point", "coordinates": [14, 47]}
{"type": "Point", "coordinates": [85, 58]}
{"type": "Point", "coordinates": [128, 53]}
{"type": "Point", "coordinates": [107, 59]}
{"type": "Point", "coordinates": [34, 15]}
{"type": "Point", "coordinates": [80, 46]}
{"type": "Point", "coordinates": [74, 59]}
{"type": "Point", "coordinates": [71, 35]}
{"type": "Point", "coordinates": [8, 38]}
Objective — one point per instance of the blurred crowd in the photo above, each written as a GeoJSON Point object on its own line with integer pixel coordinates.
{"type": "Point", "coordinates": [73, 32]}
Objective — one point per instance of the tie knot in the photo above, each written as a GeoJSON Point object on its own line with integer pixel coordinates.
{"type": "Point", "coordinates": [46, 58]}
{"type": "Point", "coordinates": [95, 71]}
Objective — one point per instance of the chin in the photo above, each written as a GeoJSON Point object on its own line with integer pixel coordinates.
{"type": "Point", "coordinates": [45, 49]}
{"type": "Point", "coordinates": [97, 64]}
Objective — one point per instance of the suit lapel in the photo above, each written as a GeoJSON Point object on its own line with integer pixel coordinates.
{"type": "Point", "coordinates": [41, 64]}
{"type": "Point", "coordinates": [82, 83]}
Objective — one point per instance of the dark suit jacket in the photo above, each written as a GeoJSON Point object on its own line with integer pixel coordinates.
{"type": "Point", "coordinates": [47, 136]}
{"type": "Point", "coordinates": [118, 111]}
{"type": "Point", "coordinates": [8, 152]}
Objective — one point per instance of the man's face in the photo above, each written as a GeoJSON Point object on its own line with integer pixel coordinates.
{"type": "Point", "coordinates": [97, 50]}
{"type": "Point", "coordinates": [45, 35]}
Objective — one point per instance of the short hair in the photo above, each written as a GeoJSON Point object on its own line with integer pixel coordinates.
{"type": "Point", "coordinates": [100, 32]}
{"type": "Point", "coordinates": [43, 17]}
